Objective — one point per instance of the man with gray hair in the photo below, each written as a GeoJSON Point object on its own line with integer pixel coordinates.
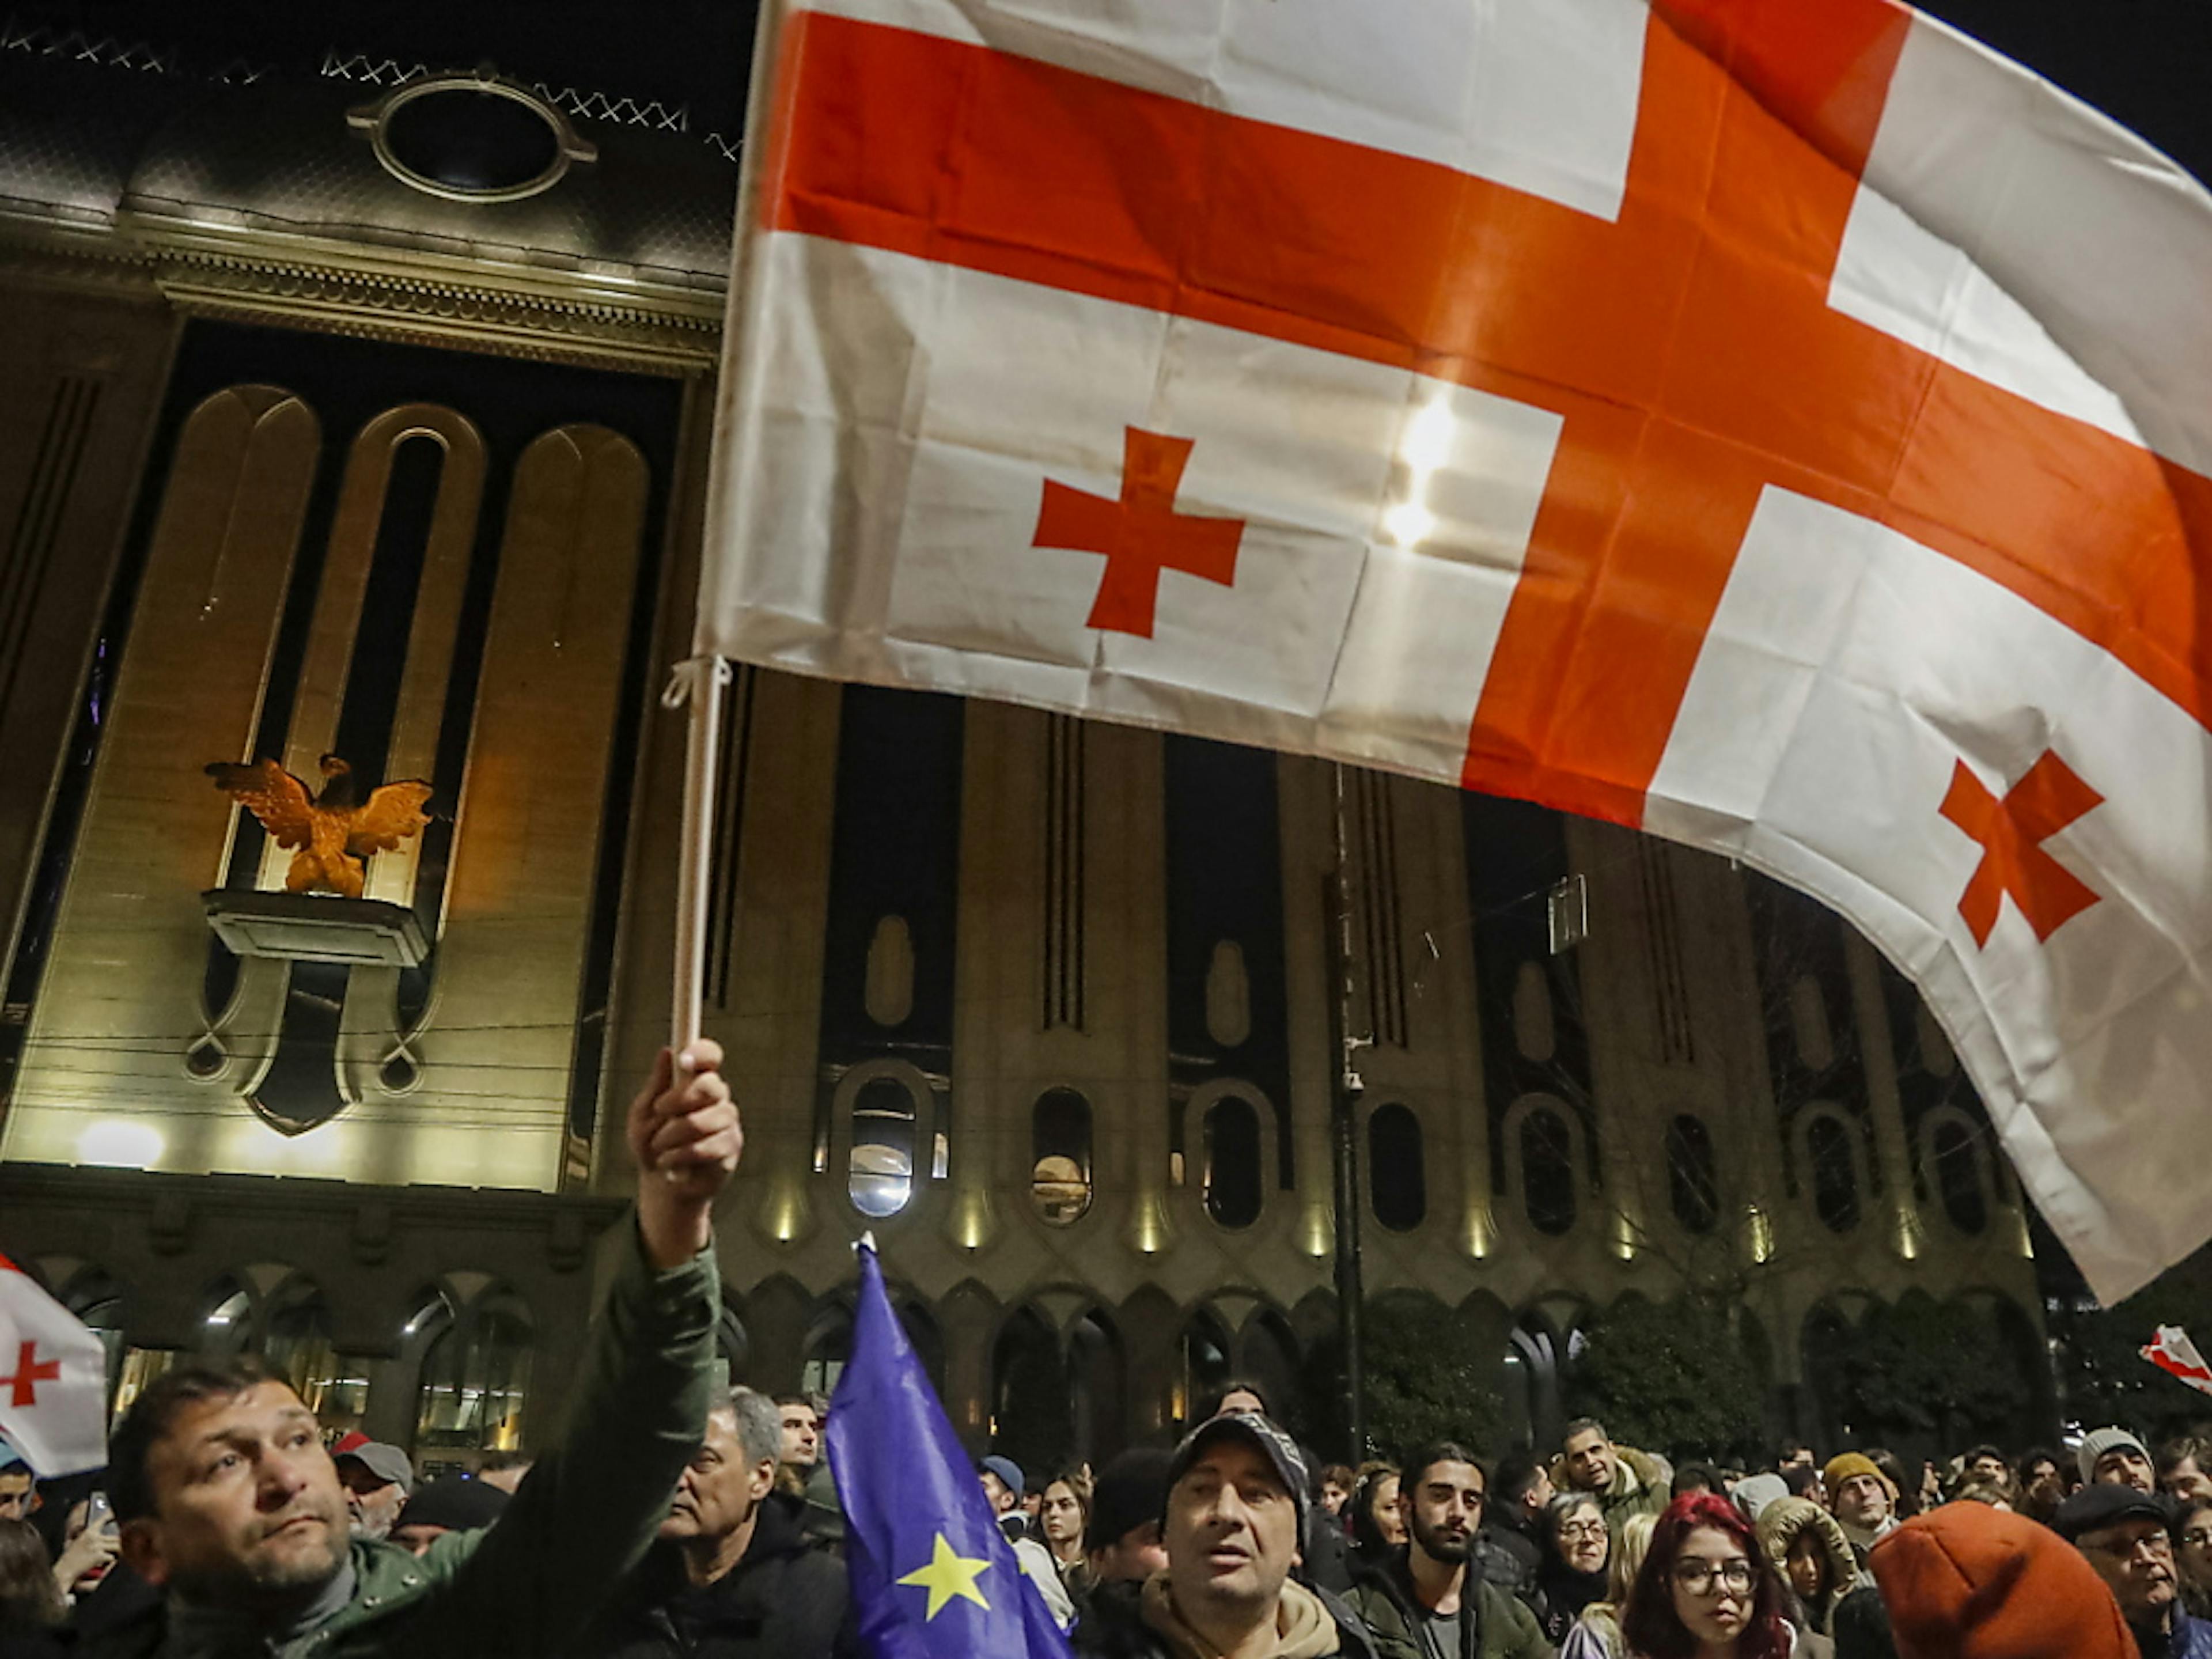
{"type": "Point", "coordinates": [729, 1576]}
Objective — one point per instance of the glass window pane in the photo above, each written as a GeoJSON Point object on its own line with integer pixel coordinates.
{"type": "Point", "coordinates": [1835, 1175]}
{"type": "Point", "coordinates": [1958, 1178]}
{"type": "Point", "coordinates": [1059, 1146]}
{"type": "Point", "coordinates": [1547, 1173]}
{"type": "Point", "coordinates": [1397, 1183]}
{"type": "Point", "coordinates": [881, 1178]}
{"type": "Point", "coordinates": [1693, 1185]}
{"type": "Point", "coordinates": [1232, 1162]}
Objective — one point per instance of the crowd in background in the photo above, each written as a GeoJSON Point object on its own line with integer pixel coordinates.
{"type": "Point", "coordinates": [1597, 1550]}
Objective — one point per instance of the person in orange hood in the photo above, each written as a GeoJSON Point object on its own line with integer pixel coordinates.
{"type": "Point", "coordinates": [1970, 1581]}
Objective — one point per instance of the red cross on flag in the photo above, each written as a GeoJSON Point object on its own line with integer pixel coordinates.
{"type": "Point", "coordinates": [53, 1380]}
{"type": "Point", "coordinates": [1779, 426]}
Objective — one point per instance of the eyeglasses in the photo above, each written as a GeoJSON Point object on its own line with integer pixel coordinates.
{"type": "Point", "coordinates": [1711, 1577]}
{"type": "Point", "coordinates": [1583, 1529]}
{"type": "Point", "coordinates": [2156, 1545]}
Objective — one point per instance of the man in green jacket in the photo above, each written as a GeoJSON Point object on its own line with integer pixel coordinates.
{"type": "Point", "coordinates": [1623, 1480]}
{"type": "Point", "coordinates": [231, 1507]}
{"type": "Point", "coordinates": [1423, 1603]}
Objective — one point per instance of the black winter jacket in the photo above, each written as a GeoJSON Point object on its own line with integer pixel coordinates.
{"type": "Point", "coordinates": [782, 1601]}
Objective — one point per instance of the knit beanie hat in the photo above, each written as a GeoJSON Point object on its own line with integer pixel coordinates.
{"type": "Point", "coordinates": [1970, 1581]}
{"type": "Point", "coordinates": [1849, 1466]}
{"type": "Point", "coordinates": [2098, 1442]}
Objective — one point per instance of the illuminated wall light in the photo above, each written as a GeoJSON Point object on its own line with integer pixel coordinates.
{"type": "Point", "coordinates": [1319, 1237]}
{"type": "Point", "coordinates": [1908, 1236]}
{"type": "Point", "coordinates": [1623, 1239]}
{"type": "Point", "coordinates": [1481, 1237]}
{"type": "Point", "coordinates": [120, 1145]}
{"type": "Point", "coordinates": [784, 1219]}
{"type": "Point", "coordinates": [1761, 1229]}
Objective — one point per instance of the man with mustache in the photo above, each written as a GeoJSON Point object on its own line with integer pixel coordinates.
{"type": "Point", "coordinates": [2124, 1534]}
{"type": "Point", "coordinates": [233, 1510]}
{"type": "Point", "coordinates": [1424, 1604]}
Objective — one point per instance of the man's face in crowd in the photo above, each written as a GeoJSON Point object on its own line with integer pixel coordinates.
{"type": "Point", "coordinates": [1242, 1400]}
{"type": "Point", "coordinates": [2185, 1482]}
{"type": "Point", "coordinates": [1862, 1501]}
{"type": "Point", "coordinates": [17, 1494]}
{"type": "Point", "coordinates": [1800, 1458]}
{"type": "Point", "coordinates": [1332, 1497]}
{"type": "Point", "coordinates": [373, 1502]}
{"type": "Point", "coordinates": [1539, 1496]}
{"type": "Point", "coordinates": [2123, 1466]}
{"type": "Point", "coordinates": [1001, 1495]}
{"type": "Point", "coordinates": [416, 1537]}
{"type": "Point", "coordinates": [1131, 1558]}
{"type": "Point", "coordinates": [802, 1435]}
{"type": "Point", "coordinates": [1445, 1507]}
{"type": "Point", "coordinates": [247, 1508]}
{"type": "Point", "coordinates": [1233, 1534]}
{"type": "Point", "coordinates": [719, 1490]}
{"type": "Point", "coordinates": [1590, 1460]}
{"type": "Point", "coordinates": [2134, 1558]}
{"type": "Point", "coordinates": [1988, 1466]}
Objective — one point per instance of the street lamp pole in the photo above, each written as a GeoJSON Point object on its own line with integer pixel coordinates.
{"type": "Point", "coordinates": [1345, 1087]}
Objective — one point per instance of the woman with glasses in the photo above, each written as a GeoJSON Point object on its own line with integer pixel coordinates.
{"type": "Point", "coordinates": [1596, 1634]}
{"type": "Point", "coordinates": [1572, 1574]}
{"type": "Point", "coordinates": [1706, 1591]}
{"type": "Point", "coordinates": [2192, 1555]}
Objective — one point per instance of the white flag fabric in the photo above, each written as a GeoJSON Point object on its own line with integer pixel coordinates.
{"type": "Point", "coordinates": [53, 1380]}
{"type": "Point", "coordinates": [1779, 427]}
{"type": "Point", "coordinates": [2173, 1353]}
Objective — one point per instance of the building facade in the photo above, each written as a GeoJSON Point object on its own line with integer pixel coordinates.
{"type": "Point", "coordinates": [323, 443]}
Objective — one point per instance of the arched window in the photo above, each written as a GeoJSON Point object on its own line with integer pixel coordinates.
{"type": "Point", "coordinates": [227, 1324]}
{"type": "Point", "coordinates": [1835, 1174]}
{"type": "Point", "coordinates": [1060, 1151]}
{"type": "Point", "coordinates": [296, 1343]}
{"type": "Point", "coordinates": [1959, 1178]}
{"type": "Point", "coordinates": [882, 1165]}
{"type": "Point", "coordinates": [1693, 1181]}
{"type": "Point", "coordinates": [1396, 1182]}
{"type": "Point", "coordinates": [1232, 1162]}
{"type": "Point", "coordinates": [1547, 1172]}
{"type": "Point", "coordinates": [476, 1378]}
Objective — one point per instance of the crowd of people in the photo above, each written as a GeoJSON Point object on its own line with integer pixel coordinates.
{"type": "Point", "coordinates": [681, 1520]}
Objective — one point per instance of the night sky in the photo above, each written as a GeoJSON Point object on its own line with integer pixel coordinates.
{"type": "Point", "coordinates": [2144, 62]}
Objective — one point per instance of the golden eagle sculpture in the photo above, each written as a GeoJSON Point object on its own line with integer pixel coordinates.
{"type": "Point", "coordinates": [332, 833]}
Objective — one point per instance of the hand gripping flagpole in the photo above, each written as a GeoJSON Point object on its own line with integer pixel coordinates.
{"type": "Point", "coordinates": [696, 682]}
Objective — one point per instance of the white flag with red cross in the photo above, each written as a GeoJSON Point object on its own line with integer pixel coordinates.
{"type": "Point", "coordinates": [2173, 1353]}
{"type": "Point", "coordinates": [53, 1380]}
{"type": "Point", "coordinates": [1780, 427]}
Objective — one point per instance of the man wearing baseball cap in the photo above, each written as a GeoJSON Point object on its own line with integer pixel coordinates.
{"type": "Point", "coordinates": [377, 1478]}
{"type": "Point", "coordinates": [1004, 1484]}
{"type": "Point", "coordinates": [2115, 1457]}
{"type": "Point", "coordinates": [1235, 1510]}
{"type": "Point", "coordinates": [2126, 1536]}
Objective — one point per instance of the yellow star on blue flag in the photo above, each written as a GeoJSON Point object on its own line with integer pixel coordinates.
{"type": "Point", "coordinates": [949, 1574]}
{"type": "Point", "coordinates": [915, 1517]}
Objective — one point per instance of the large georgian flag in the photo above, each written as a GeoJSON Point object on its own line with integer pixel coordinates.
{"type": "Point", "coordinates": [1778, 424]}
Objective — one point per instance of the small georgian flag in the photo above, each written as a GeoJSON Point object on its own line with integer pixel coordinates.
{"type": "Point", "coordinates": [53, 1380]}
{"type": "Point", "coordinates": [2173, 1353]}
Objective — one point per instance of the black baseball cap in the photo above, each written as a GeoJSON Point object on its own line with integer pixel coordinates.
{"type": "Point", "coordinates": [1277, 1447]}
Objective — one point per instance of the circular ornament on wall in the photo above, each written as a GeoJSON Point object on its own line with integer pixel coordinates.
{"type": "Point", "coordinates": [472, 136]}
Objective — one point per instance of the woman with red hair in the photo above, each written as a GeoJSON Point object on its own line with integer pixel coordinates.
{"type": "Point", "coordinates": [1705, 1591]}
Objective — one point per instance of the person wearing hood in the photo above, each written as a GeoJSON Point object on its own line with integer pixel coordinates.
{"type": "Point", "coordinates": [2126, 1535]}
{"type": "Point", "coordinates": [729, 1576]}
{"type": "Point", "coordinates": [1239, 1492]}
{"type": "Point", "coordinates": [1810, 1552]}
{"type": "Point", "coordinates": [1427, 1601]}
{"type": "Point", "coordinates": [1572, 1576]}
{"type": "Point", "coordinates": [1970, 1582]}
{"type": "Point", "coordinates": [1624, 1481]}
{"type": "Point", "coordinates": [1862, 1499]}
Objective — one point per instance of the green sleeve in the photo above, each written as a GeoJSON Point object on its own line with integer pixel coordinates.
{"type": "Point", "coordinates": [1508, 1624]}
{"type": "Point", "coordinates": [587, 1510]}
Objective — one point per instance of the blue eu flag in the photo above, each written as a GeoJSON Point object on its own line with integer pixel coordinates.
{"type": "Point", "coordinates": [932, 1576]}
